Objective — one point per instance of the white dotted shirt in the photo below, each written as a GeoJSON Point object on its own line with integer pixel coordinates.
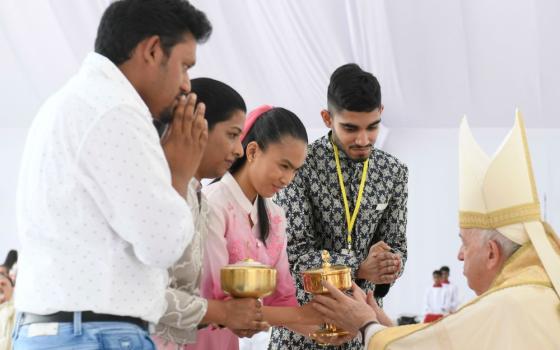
{"type": "Point", "coordinates": [98, 219]}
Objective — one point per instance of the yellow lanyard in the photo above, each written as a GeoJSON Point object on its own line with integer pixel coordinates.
{"type": "Point", "coordinates": [350, 220]}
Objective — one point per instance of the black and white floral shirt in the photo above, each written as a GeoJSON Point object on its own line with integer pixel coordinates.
{"type": "Point", "coordinates": [316, 219]}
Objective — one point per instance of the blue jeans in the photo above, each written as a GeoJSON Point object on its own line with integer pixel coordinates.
{"type": "Point", "coordinates": [78, 335]}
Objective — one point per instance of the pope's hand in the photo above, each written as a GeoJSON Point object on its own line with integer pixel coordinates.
{"type": "Point", "coordinates": [347, 312]}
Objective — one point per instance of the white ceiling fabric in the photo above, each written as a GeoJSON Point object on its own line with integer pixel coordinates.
{"type": "Point", "coordinates": [436, 60]}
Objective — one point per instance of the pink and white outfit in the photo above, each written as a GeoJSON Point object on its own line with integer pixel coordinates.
{"type": "Point", "coordinates": [233, 235]}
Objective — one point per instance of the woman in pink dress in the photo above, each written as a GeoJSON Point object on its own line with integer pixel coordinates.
{"type": "Point", "coordinates": [243, 221]}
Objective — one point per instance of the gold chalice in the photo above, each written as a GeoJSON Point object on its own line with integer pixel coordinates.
{"type": "Point", "coordinates": [248, 279]}
{"type": "Point", "coordinates": [337, 275]}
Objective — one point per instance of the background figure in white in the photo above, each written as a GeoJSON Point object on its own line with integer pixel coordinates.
{"type": "Point", "coordinates": [452, 290]}
{"type": "Point", "coordinates": [436, 303]}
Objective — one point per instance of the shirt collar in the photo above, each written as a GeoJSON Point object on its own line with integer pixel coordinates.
{"type": "Point", "coordinates": [102, 64]}
{"type": "Point", "coordinates": [195, 184]}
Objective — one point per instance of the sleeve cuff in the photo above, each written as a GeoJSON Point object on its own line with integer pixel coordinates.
{"type": "Point", "coordinates": [370, 332]}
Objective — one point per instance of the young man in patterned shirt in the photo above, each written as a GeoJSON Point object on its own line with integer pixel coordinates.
{"type": "Point", "coordinates": [349, 198]}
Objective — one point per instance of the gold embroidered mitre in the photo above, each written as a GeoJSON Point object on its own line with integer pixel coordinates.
{"type": "Point", "coordinates": [500, 193]}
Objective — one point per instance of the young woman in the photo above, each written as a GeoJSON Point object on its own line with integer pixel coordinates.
{"type": "Point", "coordinates": [245, 223]}
{"type": "Point", "coordinates": [225, 114]}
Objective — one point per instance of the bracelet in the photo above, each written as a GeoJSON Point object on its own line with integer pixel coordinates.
{"type": "Point", "coordinates": [363, 331]}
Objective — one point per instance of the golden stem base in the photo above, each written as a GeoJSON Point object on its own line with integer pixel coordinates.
{"type": "Point", "coordinates": [329, 333]}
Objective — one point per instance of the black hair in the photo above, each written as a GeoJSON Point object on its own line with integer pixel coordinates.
{"type": "Point", "coordinates": [221, 100]}
{"type": "Point", "coordinates": [269, 128]}
{"type": "Point", "coordinates": [125, 23]}
{"type": "Point", "coordinates": [436, 273]}
{"type": "Point", "coordinates": [444, 269]}
{"type": "Point", "coordinates": [11, 259]}
{"type": "Point", "coordinates": [353, 89]}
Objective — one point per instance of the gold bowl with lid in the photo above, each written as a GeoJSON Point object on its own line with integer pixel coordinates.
{"type": "Point", "coordinates": [339, 276]}
{"type": "Point", "coordinates": [248, 279]}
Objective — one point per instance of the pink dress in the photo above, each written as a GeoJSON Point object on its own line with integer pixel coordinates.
{"type": "Point", "coordinates": [231, 238]}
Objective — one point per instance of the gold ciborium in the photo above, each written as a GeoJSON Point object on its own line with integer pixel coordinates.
{"type": "Point", "coordinates": [337, 275]}
{"type": "Point", "coordinates": [248, 279]}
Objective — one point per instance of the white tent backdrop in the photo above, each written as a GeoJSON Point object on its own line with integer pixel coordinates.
{"type": "Point", "coordinates": [436, 60]}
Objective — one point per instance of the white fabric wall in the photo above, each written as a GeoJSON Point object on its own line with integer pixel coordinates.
{"type": "Point", "coordinates": [436, 59]}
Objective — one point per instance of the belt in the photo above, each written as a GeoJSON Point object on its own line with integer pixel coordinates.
{"type": "Point", "coordinates": [87, 316]}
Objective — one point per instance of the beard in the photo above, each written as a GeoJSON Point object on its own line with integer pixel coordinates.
{"type": "Point", "coordinates": [341, 147]}
{"type": "Point", "coordinates": [162, 121]}
{"type": "Point", "coordinates": [361, 159]}
{"type": "Point", "coordinates": [166, 116]}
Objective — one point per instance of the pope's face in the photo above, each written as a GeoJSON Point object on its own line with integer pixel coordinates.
{"type": "Point", "coordinates": [473, 253]}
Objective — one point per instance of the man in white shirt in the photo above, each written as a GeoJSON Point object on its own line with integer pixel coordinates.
{"type": "Point", "coordinates": [101, 208]}
{"type": "Point", "coordinates": [452, 290]}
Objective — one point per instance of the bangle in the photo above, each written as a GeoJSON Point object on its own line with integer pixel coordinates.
{"type": "Point", "coordinates": [363, 331]}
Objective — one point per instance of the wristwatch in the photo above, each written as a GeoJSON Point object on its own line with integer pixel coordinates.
{"type": "Point", "coordinates": [363, 331]}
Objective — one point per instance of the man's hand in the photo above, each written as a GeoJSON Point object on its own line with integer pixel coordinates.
{"type": "Point", "coordinates": [381, 266]}
{"type": "Point", "coordinates": [347, 312]}
{"type": "Point", "coordinates": [185, 140]}
{"type": "Point", "coordinates": [244, 315]}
